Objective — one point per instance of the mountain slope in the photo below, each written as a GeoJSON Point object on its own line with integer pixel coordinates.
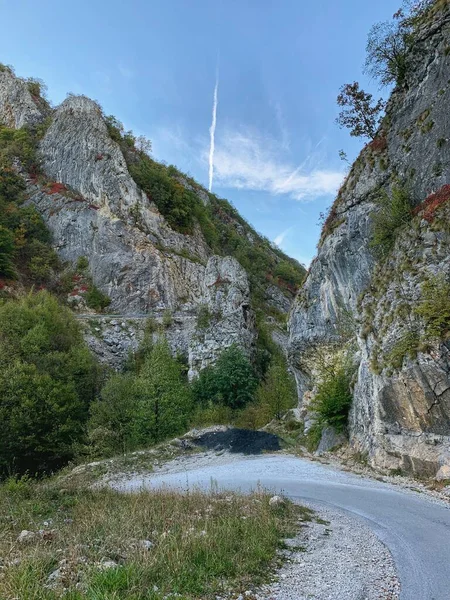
{"type": "Point", "coordinates": [170, 247]}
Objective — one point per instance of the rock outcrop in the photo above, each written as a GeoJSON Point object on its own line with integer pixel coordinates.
{"type": "Point", "coordinates": [97, 213]}
{"type": "Point", "coordinates": [401, 408]}
{"type": "Point", "coordinates": [18, 108]}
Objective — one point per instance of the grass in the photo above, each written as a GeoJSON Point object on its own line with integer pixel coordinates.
{"type": "Point", "coordinates": [202, 544]}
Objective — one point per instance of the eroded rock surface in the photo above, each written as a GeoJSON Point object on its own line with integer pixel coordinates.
{"type": "Point", "coordinates": [401, 412]}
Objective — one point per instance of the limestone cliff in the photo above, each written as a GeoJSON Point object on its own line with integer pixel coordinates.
{"type": "Point", "coordinates": [184, 279]}
{"type": "Point", "coordinates": [401, 397]}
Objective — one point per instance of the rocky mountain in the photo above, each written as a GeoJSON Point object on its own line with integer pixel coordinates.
{"type": "Point", "coordinates": [165, 249]}
{"type": "Point", "coordinates": [391, 307]}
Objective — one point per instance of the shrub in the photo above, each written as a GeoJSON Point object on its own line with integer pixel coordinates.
{"type": "Point", "coordinates": [434, 307]}
{"type": "Point", "coordinates": [286, 271]}
{"type": "Point", "coordinates": [394, 212]}
{"type": "Point", "coordinates": [112, 425]}
{"type": "Point", "coordinates": [231, 381]}
{"type": "Point", "coordinates": [432, 203]}
{"type": "Point", "coordinates": [96, 299]}
{"type": "Point", "coordinates": [333, 397]}
{"type": "Point", "coordinates": [6, 253]}
{"type": "Point", "coordinates": [276, 394]}
{"type": "Point", "coordinates": [167, 319]}
{"type": "Point", "coordinates": [82, 263]}
{"type": "Point", "coordinates": [406, 345]}
{"type": "Point", "coordinates": [48, 379]}
{"type": "Point", "coordinates": [141, 408]}
{"type": "Point", "coordinates": [203, 317]}
{"type": "Point", "coordinates": [173, 200]}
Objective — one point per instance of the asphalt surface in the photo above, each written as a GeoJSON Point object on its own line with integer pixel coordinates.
{"type": "Point", "coordinates": [414, 528]}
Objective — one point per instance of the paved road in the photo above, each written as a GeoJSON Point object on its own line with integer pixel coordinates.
{"type": "Point", "coordinates": [415, 529]}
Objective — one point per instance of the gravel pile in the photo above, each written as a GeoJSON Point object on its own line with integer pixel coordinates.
{"type": "Point", "coordinates": [338, 559]}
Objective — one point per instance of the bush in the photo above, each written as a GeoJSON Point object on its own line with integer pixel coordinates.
{"type": "Point", "coordinates": [6, 253]}
{"type": "Point", "coordinates": [394, 212]}
{"type": "Point", "coordinates": [203, 317]}
{"type": "Point", "coordinates": [231, 381]}
{"type": "Point", "coordinates": [434, 307]}
{"type": "Point", "coordinates": [48, 379]}
{"type": "Point", "coordinates": [24, 239]}
{"type": "Point", "coordinates": [286, 271]}
{"type": "Point", "coordinates": [173, 200]}
{"type": "Point", "coordinates": [82, 263]}
{"type": "Point", "coordinates": [333, 397]}
{"type": "Point", "coordinates": [112, 425]}
{"type": "Point", "coordinates": [96, 299]}
{"type": "Point", "coordinates": [277, 393]}
{"type": "Point", "coordinates": [141, 408]}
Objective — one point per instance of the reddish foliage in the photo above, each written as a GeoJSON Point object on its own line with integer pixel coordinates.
{"type": "Point", "coordinates": [219, 281]}
{"type": "Point", "coordinates": [429, 206]}
{"type": "Point", "coordinates": [76, 278]}
{"type": "Point", "coordinates": [2, 284]}
{"type": "Point", "coordinates": [378, 144]}
{"type": "Point", "coordinates": [33, 175]}
{"type": "Point", "coordinates": [84, 288]}
{"type": "Point", "coordinates": [94, 207]}
{"type": "Point", "coordinates": [99, 157]}
{"type": "Point", "coordinates": [56, 188]}
{"type": "Point", "coordinates": [74, 292]}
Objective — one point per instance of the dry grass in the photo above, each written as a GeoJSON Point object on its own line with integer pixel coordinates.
{"type": "Point", "coordinates": [202, 544]}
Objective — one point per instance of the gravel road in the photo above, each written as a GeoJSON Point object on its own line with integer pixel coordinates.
{"type": "Point", "coordinates": [415, 528]}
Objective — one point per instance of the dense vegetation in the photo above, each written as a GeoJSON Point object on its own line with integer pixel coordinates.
{"type": "Point", "coordinates": [57, 404]}
{"type": "Point", "coordinates": [25, 249]}
{"type": "Point", "coordinates": [141, 407]}
{"type": "Point", "coordinates": [333, 398]}
{"type": "Point", "coordinates": [48, 379]}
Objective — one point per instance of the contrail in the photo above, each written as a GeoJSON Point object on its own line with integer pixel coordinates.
{"type": "Point", "coordinates": [212, 131]}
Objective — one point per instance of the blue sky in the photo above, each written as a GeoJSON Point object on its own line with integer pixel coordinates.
{"type": "Point", "coordinates": [153, 65]}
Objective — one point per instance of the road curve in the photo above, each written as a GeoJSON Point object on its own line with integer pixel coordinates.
{"type": "Point", "coordinates": [414, 528]}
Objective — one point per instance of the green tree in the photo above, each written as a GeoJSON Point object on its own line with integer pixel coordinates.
{"type": "Point", "coordinates": [6, 253]}
{"type": "Point", "coordinates": [231, 381]}
{"type": "Point", "coordinates": [47, 376]}
{"type": "Point", "coordinates": [333, 397]}
{"type": "Point", "coordinates": [165, 401]}
{"type": "Point", "coordinates": [42, 418]}
{"type": "Point", "coordinates": [360, 114]}
{"type": "Point", "coordinates": [112, 425]}
{"type": "Point", "coordinates": [276, 394]}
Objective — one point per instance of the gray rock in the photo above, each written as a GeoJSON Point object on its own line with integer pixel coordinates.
{"type": "Point", "coordinates": [17, 107]}
{"type": "Point", "coordinates": [330, 440]}
{"type": "Point", "coordinates": [400, 416]}
{"type": "Point", "coordinates": [27, 537]}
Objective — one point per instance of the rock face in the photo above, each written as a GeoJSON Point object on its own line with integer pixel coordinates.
{"type": "Point", "coordinates": [95, 211]}
{"type": "Point", "coordinates": [17, 106]}
{"type": "Point", "coordinates": [229, 320]}
{"type": "Point", "coordinates": [401, 412]}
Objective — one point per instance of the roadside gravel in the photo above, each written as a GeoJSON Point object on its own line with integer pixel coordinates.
{"type": "Point", "coordinates": [337, 559]}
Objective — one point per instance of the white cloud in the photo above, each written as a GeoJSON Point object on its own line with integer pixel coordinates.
{"type": "Point", "coordinates": [280, 237]}
{"type": "Point", "coordinates": [248, 160]}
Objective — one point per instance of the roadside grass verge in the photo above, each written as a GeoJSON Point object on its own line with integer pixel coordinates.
{"type": "Point", "coordinates": [104, 545]}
